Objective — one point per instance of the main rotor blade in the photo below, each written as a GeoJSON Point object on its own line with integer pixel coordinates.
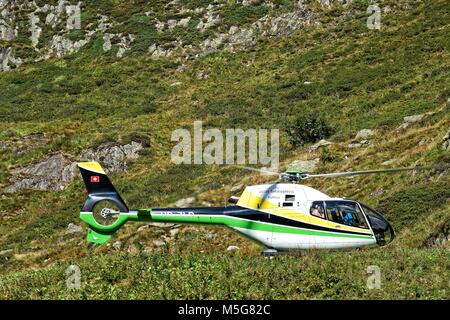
{"type": "Point", "coordinates": [264, 171]}
{"type": "Point", "coordinates": [353, 173]}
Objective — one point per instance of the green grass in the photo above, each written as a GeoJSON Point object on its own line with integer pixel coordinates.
{"type": "Point", "coordinates": [408, 274]}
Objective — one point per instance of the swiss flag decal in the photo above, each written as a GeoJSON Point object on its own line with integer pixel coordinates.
{"type": "Point", "coordinates": [95, 179]}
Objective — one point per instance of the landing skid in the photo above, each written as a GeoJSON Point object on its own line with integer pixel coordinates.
{"type": "Point", "coordinates": [270, 253]}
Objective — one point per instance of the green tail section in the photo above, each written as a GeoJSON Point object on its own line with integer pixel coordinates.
{"type": "Point", "coordinates": [98, 237]}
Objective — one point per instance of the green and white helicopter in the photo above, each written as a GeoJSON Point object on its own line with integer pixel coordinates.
{"type": "Point", "coordinates": [279, 216]}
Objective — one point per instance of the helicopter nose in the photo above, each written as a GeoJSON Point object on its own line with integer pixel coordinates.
{"type": "Point", "coordinates": [383, 230]}
{"type": "Point", "coordinates": [385, 236]}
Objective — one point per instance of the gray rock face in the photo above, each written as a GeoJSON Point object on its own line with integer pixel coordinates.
{"type": "Point", "coordinates": [112, 156]}
{"type": "Point", "coordinates": [53, 19]}
{"type": "Point", "coordinates": [242, 38]}
{"type": "Point", "coordinates": [329, 3]}
{"type": "Point", "coordinates": [57, 171]}
{"type": "Point", "coordinates": [158, 52]}
{"type": "Point", "coordinates": [288, 23]}
{"type": "Point", "coordinates": [7, 59]}
{"type": "Point", "coordinates": [57, 20]}
{"type": "Point", "coordinates": [305, 165]}
{"type": "Point", "coordinates": [8, 31]}
{"type": "Point", "coordinates": [53, 173]}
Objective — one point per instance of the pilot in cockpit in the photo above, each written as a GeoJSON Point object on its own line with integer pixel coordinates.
{"type": "Point", "coordinates": [317, 210]}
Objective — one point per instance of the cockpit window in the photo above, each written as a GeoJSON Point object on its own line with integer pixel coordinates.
{"type": "Point", "coordinates": [345, 212]}
{"type": "Point", "coordinates": [369, 211]}
{"type": "Point", "coordinates": [317, 209]}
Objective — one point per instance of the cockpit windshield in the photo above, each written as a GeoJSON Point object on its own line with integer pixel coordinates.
{"type": "Point", "coordinates": [345, 212]}
{"type": "Point", "coordinates": [382, 229]}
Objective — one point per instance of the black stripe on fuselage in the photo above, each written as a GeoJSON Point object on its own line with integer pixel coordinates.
{"type": "Point", "coordinates": [254, 215]}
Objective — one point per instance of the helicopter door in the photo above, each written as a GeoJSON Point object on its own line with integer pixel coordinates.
{"type": "Point", "coordinates": [289, 213]}
{"type": "Point", "coordinates": [344, 219]}
{"type": "Point", "coordinates": [317, 218]}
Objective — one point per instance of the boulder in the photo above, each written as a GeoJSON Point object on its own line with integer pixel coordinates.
{"type": "Point", "coordinates": [232, 248]}
{"type": "Point", "coordinates": [73, 228]}
{"type": "Point", "coordinates": [322, 143]}
{"type": "Point", "coordinates": [413, 118]}
{"type": "Point", "coordinates": [117, 245]}
{"type": "Point", "coordinates": [364, 134]}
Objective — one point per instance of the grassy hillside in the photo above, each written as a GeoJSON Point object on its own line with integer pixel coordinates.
{"type": "Point", "coordinates": [335, 68]}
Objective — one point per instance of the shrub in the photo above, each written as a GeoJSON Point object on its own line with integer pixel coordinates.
{"type": "Point", "coordinates": [308, 129]}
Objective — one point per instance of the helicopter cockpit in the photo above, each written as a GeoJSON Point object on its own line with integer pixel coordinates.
{"type": "Point", "coordinates": [354, 214]}
{"type": "Point", "coordinates": [382, 229]}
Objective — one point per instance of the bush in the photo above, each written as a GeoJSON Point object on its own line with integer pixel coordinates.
{"type": "Point", "coordinates": [308, 129]}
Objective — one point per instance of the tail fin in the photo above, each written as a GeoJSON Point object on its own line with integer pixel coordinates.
{"type": "Point", "coordinates": [99, 187]}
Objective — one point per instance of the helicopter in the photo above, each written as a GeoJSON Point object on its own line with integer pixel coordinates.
{"type": "Point", "coordinates": [279, 216]}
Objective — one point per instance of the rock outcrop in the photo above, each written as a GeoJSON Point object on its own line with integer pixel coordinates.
{"type": "Point", "coordinates": [53, 173]}
{"type": "Point", "coordinates": [446, 142]}
{"type": "Point", "coordinates": [112, 156]}
{"type": "Point", "coordinates": [57, 171]}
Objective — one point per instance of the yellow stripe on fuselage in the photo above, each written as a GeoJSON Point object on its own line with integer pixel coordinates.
{"type": "Point", "coordinates": [252, 201]}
